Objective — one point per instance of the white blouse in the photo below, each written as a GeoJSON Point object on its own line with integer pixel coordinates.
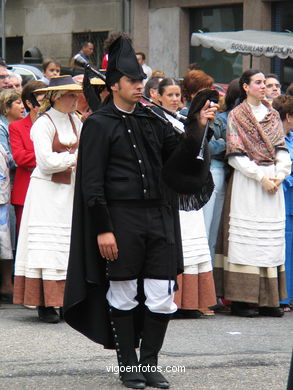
{"type": "Point", "coordinates": [259, 111]}
{"type": "Point", "coordinates": [42, 135]}
{"type": "Point", "coordinates": [250, 169]}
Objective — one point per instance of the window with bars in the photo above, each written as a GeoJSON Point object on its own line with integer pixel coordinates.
{"type": "Point", "coordinates": [13, 49]}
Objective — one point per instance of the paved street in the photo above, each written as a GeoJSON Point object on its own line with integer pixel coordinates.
{"type": "Point", "coordinates": [219, 353]}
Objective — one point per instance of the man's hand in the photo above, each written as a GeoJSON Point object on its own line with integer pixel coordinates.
{"type": "Point", "coordinates": [269, 186]}
{"type": "Point", "coordinates": [208, 112]}
{"type": "Point", "coordinates": [107, 246]}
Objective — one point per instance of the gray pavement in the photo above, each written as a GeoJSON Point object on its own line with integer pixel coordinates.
{"type": "Point", "coordinates": [218, 353]}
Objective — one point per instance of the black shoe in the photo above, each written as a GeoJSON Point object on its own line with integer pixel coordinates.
{"type": "Point", "coordinates": [242, 309]}
{"type": "Point", "coordinates": [6, 298]}
{"type": "Point", "coordinates": [156, 379]}
{"type": "Point", "coordinates": [48, 315]}
{"type": "Point", "coordinates": [135, 384]}
{"type": "Point", "coordinates": [271, 311]}
{"type": "Point", "coordinates": [182, 314]}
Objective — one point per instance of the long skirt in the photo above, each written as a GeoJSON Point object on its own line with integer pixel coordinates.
{"type": "Point", "coordinates": [43, 244]}
{"type": "Point", "coordinates": [241, 245]}
{"type": "Point", "coordinates": [196, 284]}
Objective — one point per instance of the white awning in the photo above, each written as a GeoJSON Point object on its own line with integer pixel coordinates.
{"type": "Point", "coordinates": [256, 43]}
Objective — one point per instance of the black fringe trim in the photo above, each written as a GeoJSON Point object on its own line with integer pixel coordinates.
{"type": "Point", "coordinates": [189, 202]}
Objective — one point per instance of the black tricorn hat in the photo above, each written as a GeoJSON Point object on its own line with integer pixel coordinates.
{"type": "Point", "coordinates": [123, 62]}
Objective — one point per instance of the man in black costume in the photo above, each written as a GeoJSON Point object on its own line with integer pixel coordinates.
{"type": "Point", "coordinates": [126, 244]}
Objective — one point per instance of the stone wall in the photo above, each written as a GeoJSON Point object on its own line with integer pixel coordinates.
{"type": "Point", "coordinates": [49, 24]}
{"type": "Point", "coordinates": [160, 28]}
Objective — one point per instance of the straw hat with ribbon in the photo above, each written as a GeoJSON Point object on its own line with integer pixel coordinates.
{"type": "Point", "coordinates": [57, 87]}
{"type": "Point", "coordinates": [61, 83]}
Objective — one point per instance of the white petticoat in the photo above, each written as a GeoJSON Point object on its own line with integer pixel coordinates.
{"type": "Point", "coordinates": [257, 222]}
{"type": "Point", "coordinates": [194, 239]}
{"type": "Point", "coordinates": [44, 237]}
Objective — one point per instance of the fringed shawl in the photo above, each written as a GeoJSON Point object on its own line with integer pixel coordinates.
{"type": "Point", "coordinates": [258, 140]}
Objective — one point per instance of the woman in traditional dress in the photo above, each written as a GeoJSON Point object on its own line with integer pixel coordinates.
{"type": "Point", "coordinates": [284, 105]}
{"type": "Point", "coordinates": [249, 268]}
{"type": "Point", "coordinates": [196, 291]}
{"type": "Point", "coordinates": [44, 237]}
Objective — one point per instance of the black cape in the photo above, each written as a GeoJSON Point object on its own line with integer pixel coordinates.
{"type": "Point", "coordinates": [85, 305]}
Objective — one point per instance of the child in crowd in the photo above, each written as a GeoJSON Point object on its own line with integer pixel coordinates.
{"type": "Point", "coordinates": [51, 68]}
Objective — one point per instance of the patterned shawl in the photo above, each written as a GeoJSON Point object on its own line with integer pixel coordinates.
{"type": "Point", "coordinates": [258, 140]}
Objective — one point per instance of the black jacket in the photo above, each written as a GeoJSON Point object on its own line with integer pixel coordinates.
{"type": "Point", "coordinates": [121, 157]}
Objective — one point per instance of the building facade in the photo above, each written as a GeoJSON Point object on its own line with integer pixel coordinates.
{"type": "Point", "coordinates": [160, 28]}
{"type": "Point", "coordinates": [58, 27]}
{"type": "Point", "coordinates": [167, 26]}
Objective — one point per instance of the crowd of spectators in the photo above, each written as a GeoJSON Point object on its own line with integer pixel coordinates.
{"type": "Point", "coordinates": [237, 248]}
